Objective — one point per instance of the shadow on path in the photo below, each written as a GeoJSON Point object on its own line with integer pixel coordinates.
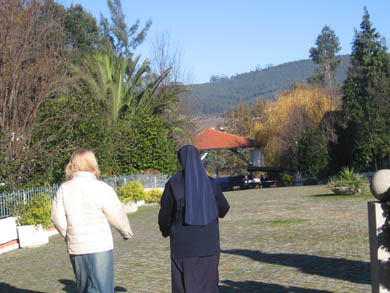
{"type": "Point", "coordinates": [4, 287]}
{"type": "Point", "coordinates": [337, 268]}
{"type": "Point", "coordinates": [70, 287]}
{"type": "Point", "coordinates": [253, 286]}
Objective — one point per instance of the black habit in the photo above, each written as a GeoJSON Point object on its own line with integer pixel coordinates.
{"type": "Point", "coordinates": [190, 206]}
{"type": "Point", "coordinates": [188, 240]}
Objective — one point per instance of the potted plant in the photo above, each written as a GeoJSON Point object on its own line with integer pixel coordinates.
{"type": "Point", "coordinates": [33, 220]}
{"type": "Point", "coordinates": [132, 195]}
{"type": "Point", "coordinates": [347, 182]}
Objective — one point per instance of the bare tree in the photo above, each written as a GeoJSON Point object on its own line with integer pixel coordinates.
{"type": "Point", "coordinates": [32, 66]}
{"type": "Point", "coordinates": [166, 53]}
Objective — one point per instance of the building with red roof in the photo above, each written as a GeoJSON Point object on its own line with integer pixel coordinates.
{"type": "Point", "coordinates": [211, 139]}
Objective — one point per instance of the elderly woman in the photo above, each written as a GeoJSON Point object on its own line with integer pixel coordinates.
{"type": "Point", "coordinates": [190, 206]}
{"type": "Point", "coordinates": [82, 212]}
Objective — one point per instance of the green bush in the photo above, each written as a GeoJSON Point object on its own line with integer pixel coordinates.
{"type": "Point", "coordinates": [35, 211]}
{"type": "Point", "coordinates": [131, 192]}
{"type": "Point", "coordinates": [153, 195]}
{"type": "Point", "coordinates": [349, 178]}
{"type": "Point", "coordinates": [287, 180]}
{"type": "Point", "coordinates": [144, 143]}
{"type": "Point", "coordinates": [6, 188]}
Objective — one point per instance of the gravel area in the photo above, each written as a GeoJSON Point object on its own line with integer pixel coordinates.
{"type": "Point", "coordinates": [297, 239]}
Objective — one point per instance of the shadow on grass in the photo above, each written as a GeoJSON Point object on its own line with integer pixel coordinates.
{"type": "Point", "coordinates": [337, 268]}
{"type": "Point", "coordinates": [4, 287]}
{"type": "Point", "coordinates": [327, 195]}
{"type": "Point", "coordinates": [342, 196]}
{"type": "Point", "coordinates": [70, 287]}
{"type": "Point", "coordinates": [253, 286]}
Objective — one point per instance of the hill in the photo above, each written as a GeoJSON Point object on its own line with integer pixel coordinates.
{"type": "Point", "coordinates": [214, 98]}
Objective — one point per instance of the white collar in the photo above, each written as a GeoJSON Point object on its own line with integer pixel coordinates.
{"type": "Point", "coordinates": [84, 174]}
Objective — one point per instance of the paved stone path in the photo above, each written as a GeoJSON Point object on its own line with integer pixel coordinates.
{"type": "Point", "coordinates": [298, 239]}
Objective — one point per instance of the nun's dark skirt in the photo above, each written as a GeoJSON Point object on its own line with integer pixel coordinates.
{"type": "Point", "coordinates": [195, 274]}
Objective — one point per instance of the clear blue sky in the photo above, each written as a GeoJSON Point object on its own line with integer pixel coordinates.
{"type": "Point", "coordinates": [229, 37]}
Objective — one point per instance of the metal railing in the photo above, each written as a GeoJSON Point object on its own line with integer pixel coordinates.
{"type": "Point", "coordinates": [147, 181]}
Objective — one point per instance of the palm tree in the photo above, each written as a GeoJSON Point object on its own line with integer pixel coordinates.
{"type": "Point", "coordinates": [113, 80]}
{"type": "Point", "coordinates": [126, 89]}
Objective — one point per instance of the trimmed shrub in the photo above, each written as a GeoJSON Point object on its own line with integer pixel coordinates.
{"type": "Point", "coordinates": [35, 211]}
{"type": "Point", "coordinates": [287, 180]}
{"type": "Point", "coordinates": [153, 195]}
{"type": "Point", "coordinates": [131, 192]}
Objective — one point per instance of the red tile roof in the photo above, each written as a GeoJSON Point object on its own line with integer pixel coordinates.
{"type": "Point", "coordinates": [211, 139]}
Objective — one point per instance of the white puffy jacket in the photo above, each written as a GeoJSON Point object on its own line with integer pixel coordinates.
{"type": "Point", "coordinates": [82, 211]}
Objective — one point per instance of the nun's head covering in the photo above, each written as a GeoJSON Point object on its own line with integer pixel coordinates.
{"type": "Point", "coordinates": [200, 203]}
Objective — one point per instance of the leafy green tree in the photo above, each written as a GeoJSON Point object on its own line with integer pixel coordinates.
{"type": "Point", "coordinates": [341, 151]}
{"type": "Point", "coordinates": [82, 31]}
{"type": "Point", "coordinates": [312, 153]}
{"type": "Point", "coordinates": [82, 35]}
{"type": "Point", "coordinates": [66, 124]}
{"type": "Point", "coordinates": [325, 55]}
{"type": "Point", "coordinates": [131, 144]}
{"type": "Point", "coordinates": [366, 97]}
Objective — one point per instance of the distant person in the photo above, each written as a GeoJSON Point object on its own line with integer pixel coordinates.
{"type": "Point", "coordinates": [190, 206]}
{"type": "Point", "coordinates": [245, 182]}
{"type": "Point", "coordinates": [82, 212]}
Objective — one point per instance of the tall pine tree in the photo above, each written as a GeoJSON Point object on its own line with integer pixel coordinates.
{"type": "Point", "coordinates": [366, 97]}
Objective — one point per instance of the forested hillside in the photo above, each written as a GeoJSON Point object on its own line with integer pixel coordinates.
{"type": "Point", "coordinates": [214, 98]}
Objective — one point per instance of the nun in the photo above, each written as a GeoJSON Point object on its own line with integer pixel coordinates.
{"type": "Point", "coordinates": [190, 206]}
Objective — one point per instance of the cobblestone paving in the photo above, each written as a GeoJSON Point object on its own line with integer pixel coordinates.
{"type": "Point", "coordinates": [298, 239]}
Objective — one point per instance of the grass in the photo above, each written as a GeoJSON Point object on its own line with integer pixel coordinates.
{"type": "Point", "coordinates": [295, 239]}
{"type": "Point", "coordinates": [288, 221]}
{"type": "Point", "coordinates": [332, 196]}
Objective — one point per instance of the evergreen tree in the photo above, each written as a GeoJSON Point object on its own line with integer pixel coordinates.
{"type": "Point", "coordinates": [82, 32]}
{"type": "Point", "coordinates": [325, 55]}
{"type": "Point", "coordinates": [117, 35]}
{"type": "Point", "coordinates": [312, 153]}
{"type": "Point", "coordinates": [366, 97]}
